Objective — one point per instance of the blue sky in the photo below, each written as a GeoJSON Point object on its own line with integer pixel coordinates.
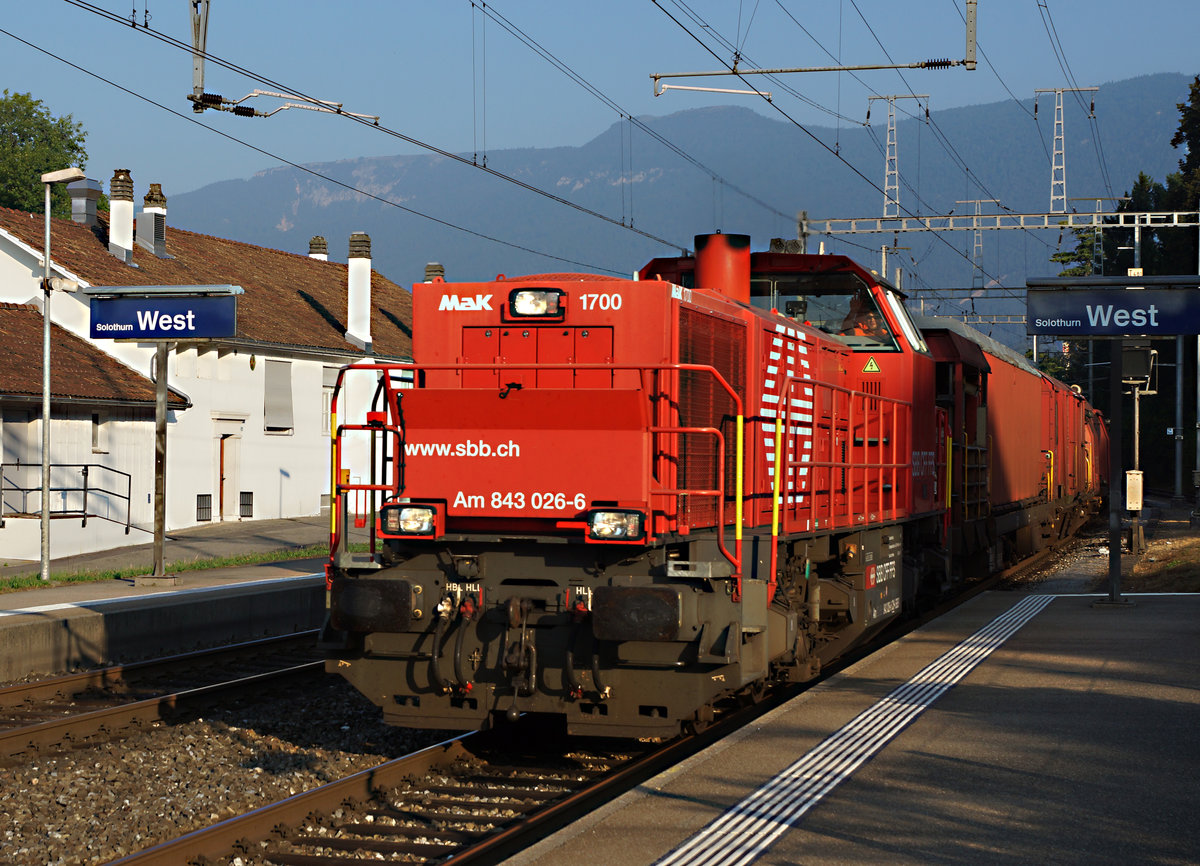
{"type": "Point", "coordinates": [442, 73]}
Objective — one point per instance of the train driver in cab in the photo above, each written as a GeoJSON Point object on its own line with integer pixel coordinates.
{"type": "Point", "coordinates": [864, 320]}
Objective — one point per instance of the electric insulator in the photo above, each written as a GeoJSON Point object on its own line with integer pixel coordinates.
{"type": "Point", "coordinates": [211, 98]}
{"type": "Point", "coordinates": [940, 63]}
{"type": "Point", "coordinates": [243, 111]}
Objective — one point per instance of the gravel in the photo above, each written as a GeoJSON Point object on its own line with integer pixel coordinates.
{"type": "Point", "coordinates": [102, 802]}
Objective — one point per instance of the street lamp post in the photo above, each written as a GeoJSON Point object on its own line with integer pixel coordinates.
{"type": "Point", "coordinates": [66, 175]}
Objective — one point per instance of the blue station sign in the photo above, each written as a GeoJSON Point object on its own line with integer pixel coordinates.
{"type": "Point", "coordinates": [1112, 312]}
{"type": "Point", "coordinates": [164, 318]}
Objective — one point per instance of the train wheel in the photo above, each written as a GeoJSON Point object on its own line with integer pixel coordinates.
{"type": "Point", "coordinates": [701, 720]}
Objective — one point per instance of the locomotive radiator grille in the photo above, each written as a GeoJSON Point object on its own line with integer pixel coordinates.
{"type": "Point", "coordinates": [704, 339]}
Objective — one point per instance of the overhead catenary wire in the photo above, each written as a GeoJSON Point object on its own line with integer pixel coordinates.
{"type": "Point", "coordinates": [740, 56]}
{"type": "Point", "coordinates": [307, 169]}
{"type": "Point", "coordinates": [1060, 53]}
{"type": "Point", "coordinates": [458, 158]}
{"type": "Point", "coordinates": [858, 172]}
{"type": "Point", "coordinates": [523, 37]}
{"type": "Point", "coordinates": [939, 136]}
{"type": "Point", "coordinates": [1021, 105]}
{"type": "Point", "coordinates": [938, 132]}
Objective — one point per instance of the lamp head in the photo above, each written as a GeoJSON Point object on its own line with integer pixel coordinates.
{"type": "Point", "coordinates": [64, 175]}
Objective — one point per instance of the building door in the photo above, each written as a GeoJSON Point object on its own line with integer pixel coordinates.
{"type": "Point", "coordinates": [230, 452]}
{"type": "Point", "coordinates": [227, 452]}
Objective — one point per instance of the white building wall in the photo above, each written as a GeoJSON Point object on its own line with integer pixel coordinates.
{"type": "Point", "coordinates": [120, 479]}
{"type": "Point", "coordinates": [288, 473]}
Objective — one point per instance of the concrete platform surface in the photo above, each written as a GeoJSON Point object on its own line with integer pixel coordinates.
{"type": "Point", "coordinates": [1017, 729]}
{"type": "Point", "coordinates": [218, 539]}
{"type": "Point", "coordinates": [53, 628]}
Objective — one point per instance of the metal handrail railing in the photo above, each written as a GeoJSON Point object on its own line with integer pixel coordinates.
{"type": "Point", "coordinates": [85, 488]}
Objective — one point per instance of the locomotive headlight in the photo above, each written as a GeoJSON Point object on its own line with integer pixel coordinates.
{"type": "Point", "coordinates": [407, 520]}
{"type": "Point", "coordinates": [536, 302]}
{"type": "Point", "coordinates": [616, 525]}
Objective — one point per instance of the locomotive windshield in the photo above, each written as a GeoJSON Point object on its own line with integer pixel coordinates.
{"type": "Point", "coordinates": [838, 304]}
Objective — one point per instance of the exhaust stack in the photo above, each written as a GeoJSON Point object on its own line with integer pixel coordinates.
{"type": "Point", "coordinates": [723, 264]}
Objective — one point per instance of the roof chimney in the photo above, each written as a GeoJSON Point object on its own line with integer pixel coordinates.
{"type": "Point", "coordinates": [152, 226]}
{"type": "Point", "coordinates": [120, 223]}
{"type": "Point", "coordinates": [318, 249]}
{"type": "Point", "coordinates": [84, 195]}
{"type": "Point", "coordinates": [434, 269]}
{"type": "Point", "coordinates": [358, 295]}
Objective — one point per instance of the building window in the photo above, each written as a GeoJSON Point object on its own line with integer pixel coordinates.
{"type": "Point", "coordinates": [277, 405]}
{"type": "Point", "coordinates": [246, 503]}
{"type": "Point", "coordinates": [203, 507]}
{"type": "Point", "coordinates": [328, 381]}
{"type": "Point", "coordinates": [99, 432]}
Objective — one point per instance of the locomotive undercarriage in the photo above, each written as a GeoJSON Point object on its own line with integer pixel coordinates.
{"type": "Point", "coordinates": [457, 634]}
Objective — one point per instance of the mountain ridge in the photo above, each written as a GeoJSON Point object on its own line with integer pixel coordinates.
{"type": "Point", "coordinates": [773, 161]}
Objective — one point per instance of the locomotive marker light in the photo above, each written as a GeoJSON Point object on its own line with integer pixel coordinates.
{"type": "Point", "coordinates": [530, 303]}
{"type": "Point", "coordinates": [1113, 307]}
{"type": "Point", "coordinates": [615, 525]}
{"type": "Point", "coordinates": [163, 315]}
{"type": "Point", "coordinates": [401, 520]}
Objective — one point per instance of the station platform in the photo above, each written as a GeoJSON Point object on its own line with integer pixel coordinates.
{"type": "Point", "coordinates": [78, 625]}
{"type": "Point", "coordinates": [1019, 728]}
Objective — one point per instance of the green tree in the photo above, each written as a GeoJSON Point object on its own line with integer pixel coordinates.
{"type": "Point", "coordinates": [1079, 259]}
{"type": "Point", "coordinates": [32, 142]}
{"type": "Point", "coordinates": [1188, 136]}
{"type": "Point", "coordinates": [1164, 251]}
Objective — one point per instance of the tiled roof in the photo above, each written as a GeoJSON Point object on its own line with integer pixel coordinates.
{"type": "Point", "coordinates": [78, 370]}
{"type": "Point", "coordinates": [290, 300]}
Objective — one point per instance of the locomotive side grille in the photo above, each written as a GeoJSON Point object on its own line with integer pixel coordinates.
{"type": "Point", "coordinates": [875, 389]}
{"type": "Point", "coordinates": [704, 339]}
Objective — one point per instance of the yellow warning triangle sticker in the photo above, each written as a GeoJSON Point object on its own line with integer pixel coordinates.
{"type": "Point", "coordinates": [871, 367]}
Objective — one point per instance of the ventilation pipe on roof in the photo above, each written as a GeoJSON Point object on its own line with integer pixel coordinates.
{"type": "Point", "coordinates": [434, 269]}
{"type": "Point", "coordinates": [723, 264]}
{"type": "Point", "coordinates": [84, 195]}
{"type": "Point", "coordinates": [358, 291]}
{"type": "Point", "coordinates": [152, 226]}
{"type": "Point", "coordinates": [318, 249]}
{"type": "Point", "coordinates": [120, 223]}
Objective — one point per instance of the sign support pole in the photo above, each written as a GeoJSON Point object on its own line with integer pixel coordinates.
{"type": "Point", "coordinates": [160, 457]}
{"type": "Point", "coordinates": [1116, 487]}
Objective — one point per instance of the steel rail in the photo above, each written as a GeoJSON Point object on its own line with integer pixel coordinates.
{"type": "Point", "coordinates": [64, 686]}
{"type": "Point", "coordinates": [244, 831]}
{"type": "Point", "coordinates": [56, 732]}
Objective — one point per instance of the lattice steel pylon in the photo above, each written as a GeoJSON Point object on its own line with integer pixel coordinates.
{"type": "Point", "coordinates": [891, 173]}
{"type": "Point", "coordinates": [1058, 164]}
{"type": "Point", "coordinates": [977, 251]}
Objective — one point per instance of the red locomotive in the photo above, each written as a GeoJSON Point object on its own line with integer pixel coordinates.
{"type": "Point", "coordinates": [620, 501]}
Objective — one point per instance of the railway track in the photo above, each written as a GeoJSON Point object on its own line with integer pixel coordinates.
{"type": "Point", "coordinates": [71, 710]}
{"type": "Point", "coordinates": [477, 798]}
{"type": "Point", "coordinates": [471, 800]}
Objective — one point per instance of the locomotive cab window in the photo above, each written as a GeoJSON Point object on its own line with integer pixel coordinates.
{"type": "Point", "coordinates": [841, 305]}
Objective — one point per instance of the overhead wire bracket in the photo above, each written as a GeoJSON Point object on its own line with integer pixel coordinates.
{"type": "Point", "coordinates": [942, 63]}
{"type": "Point", "coordinates": [202, 101]}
